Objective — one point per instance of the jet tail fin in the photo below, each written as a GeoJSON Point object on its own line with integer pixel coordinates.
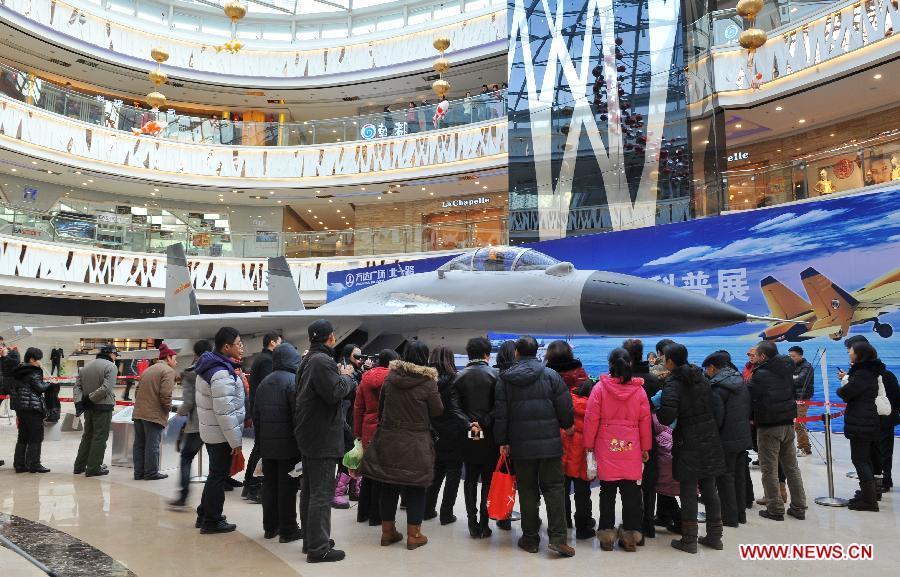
{"type": "Point", "coordinates": [180, 297]}
{"type": "Point", "coordinates": [783, 302]}
{"type": "Point", "coordinates": [283, 292]}
{"type": "Point", "coordinates": [832, 304]}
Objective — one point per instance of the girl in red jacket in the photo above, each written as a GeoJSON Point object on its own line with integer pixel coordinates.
{"type": "Point", "coordinates": [560, 358]}
{"type": "Point", "coordinates": [617, 430]}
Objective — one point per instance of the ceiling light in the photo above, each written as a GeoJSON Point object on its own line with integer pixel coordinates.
{"type": "Point", "coordinates": [339, 210]}
{"type": "Point", "coordinates": [801, 121]}
{"type": "Point", "coordinates": [705, 142]}
{"type": "Point", "coordinates": [778, 109]}
{"type": "Point", "coordinates": [83, 184]}
{"type": "Point", "coordinates": [89, 180]}
{"type": "Point", "coordinates": [363, 188]}
{"type": "Point", "coordinates": [484, 187]}
{"type": "Point", "coordinates": [738, 125]}
{"type": "Point", "coordinates": [12, 169]}
{"type": "Point", "coordinates": [832, 134]}
{"type": "Point", "coordinates": [423, 188]}
{"type": "Point", "coordinates": [77, 172]}
{"type": "Point", "coordinates": [279, 202]}
{"type": "Point", "coordinates": [430, 194]}
{"type": "Point", "coordinates": [318, 192]}
{"type": "Point", "coordinates": [233, 190]}
{"type": "Point", "coordinates": [330, 201]}
{"type": "Point", "coordinates": [34, 162]}
{"type": "Point", "coordinates": [877, 77]}
{"type": "Point", "coordinates": [271, 192]}
{"type": "Point", "coordinates": [476, 182]}
{"type": "Point", "coordinates": [157, 190]}
{"type": "Point", "coordinates": [379, 198]}
{"type": "Point", "coordinates": [696, 128]}
{"type": "Point", "coordinates": [308, 210]}
{"type": "Point", "coordinates": [152, 194]}
{"type": "Point", "coordinates": [49, 172]}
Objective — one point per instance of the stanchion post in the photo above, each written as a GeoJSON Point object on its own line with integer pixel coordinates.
{"type": "Point", "coordinates": [830, 500]}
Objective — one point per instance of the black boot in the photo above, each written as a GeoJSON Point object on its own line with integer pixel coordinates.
{"type": "Point", "coordinates": [19, 458]}
{"type": "Point", "coordinates": [713, 538]}
{"type": "Point", "coordinates": [868, 500]}
{"type": "Point", "coordinates": [33, 459]}
{"type": "Point", "coordinates": [470, 494]}
{"type": "Point", "coordinates": [688, 541]}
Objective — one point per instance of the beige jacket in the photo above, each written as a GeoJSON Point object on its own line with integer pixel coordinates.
{"type": "Point", "coordinates": [154, 395]}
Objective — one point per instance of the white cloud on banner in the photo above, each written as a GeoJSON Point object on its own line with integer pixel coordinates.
{"type": "Point", "coordinates": [683, 255]}
{"type": "Point", "coordinates": [790, 220]}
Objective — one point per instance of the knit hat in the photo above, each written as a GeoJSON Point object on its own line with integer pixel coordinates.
{"type": "Point", "coordinates": [165, 352]}
{"type": "Point", "coordinates": [109, 350]}
{"type": "Point", "coordinates": [319, 331]}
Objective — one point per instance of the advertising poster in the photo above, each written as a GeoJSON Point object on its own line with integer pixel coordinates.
{"type": "Point", "coordinates": [831, 265]}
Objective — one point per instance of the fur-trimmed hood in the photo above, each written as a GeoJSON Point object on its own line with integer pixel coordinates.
{"type": "Point", "coordinates": [406, 375]}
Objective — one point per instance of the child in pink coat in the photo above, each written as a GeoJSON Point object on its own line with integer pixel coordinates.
{"type": "Point", "coordinates": [617, 429]}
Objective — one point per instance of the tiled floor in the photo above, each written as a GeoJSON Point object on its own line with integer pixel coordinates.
{"type": "Point", "coordinates": [128, 521]}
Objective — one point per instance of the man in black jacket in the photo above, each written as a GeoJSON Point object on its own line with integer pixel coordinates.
{"type": "Point", "coordinates": [734, 433]}
{"type": "Point", "coordinates": [804, 386]}
{"type": "Point", "coordinates": [259, 370]}
{"type": "Point", "coordinates": [319, 430]}
{"type": "Point", "coordinates": [9, 360]}
{"type": "Point", "coordinates": [532, 403]}
{"type": "Point", "coordinates": [475, 389]}
{"type": "Point", "coordinates": [274, 424]}
{"type": "Point", "coordinates": [774, 410]}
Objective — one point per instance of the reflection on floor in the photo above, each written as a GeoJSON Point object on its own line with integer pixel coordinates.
{"type": "Point", "coordinates": [127, 520]}
{"type": "Point", "coordinates": [60, 552]}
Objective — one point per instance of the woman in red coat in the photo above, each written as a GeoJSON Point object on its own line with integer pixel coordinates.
{"type": "Point", "coordinates": [560, 358]}
{"type": "Point", "coordinates": [365, 423]}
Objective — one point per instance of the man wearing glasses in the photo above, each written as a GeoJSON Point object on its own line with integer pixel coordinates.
{"type": "Point", "coordinates": [220, 409]}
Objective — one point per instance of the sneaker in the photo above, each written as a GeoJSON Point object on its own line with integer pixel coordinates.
{"type": "Point", "coordinates": [331, 556]}
{"type": "Point", "coordinates": [766, 515]}
{"type": "Point", "coordinates": [797, 514]}
{"type": "Point", "coordinates": [221, 527]}
{"type": "Point", "coordinates": [563, 549]}
{"type": "Point", "coordinates": [529, 545]}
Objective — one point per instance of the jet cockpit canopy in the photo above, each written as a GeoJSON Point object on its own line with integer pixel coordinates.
{"type": "Point", "coordinates": [500, 258]}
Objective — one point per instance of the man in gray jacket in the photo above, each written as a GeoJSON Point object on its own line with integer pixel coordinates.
{"type": "Point", "coordinates": [319, 430]}
{"type": "Point", "coordinates": [190, 441]}
{"type": "Point", "coordinates": [95, 398]}
{"type": "Point", "coordinates": [220, 411]}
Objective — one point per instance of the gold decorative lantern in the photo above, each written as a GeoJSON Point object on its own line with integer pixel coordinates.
{"type": "Point", "coordinates": [158, 77]}
{"type": "Point", "coordinates": [160, 55]}
{"type": "Point", "coordinates": [156, 100]}
{"type": "Point", "coordinates": [235, 11]}
{"type": "Point", "coordinates": [441, 87]}
{"type": "Point", "coordinates": [751, 38]}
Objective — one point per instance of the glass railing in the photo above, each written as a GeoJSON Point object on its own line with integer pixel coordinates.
{"type": "Point", "coordinates": [206, 130]}
{"type": "Point", "coordinates": [722, 27]}
{"type": "Point", "coordinates": [101, 231]}
{"type": "Point", "coordinates": [848, 168]}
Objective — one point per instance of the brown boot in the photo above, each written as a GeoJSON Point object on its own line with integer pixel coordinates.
{"type": "Point", "coordinates": [414, 537]}
{"type": "Point", "coordinates": [783, 488]}
{"type": "Point", "coordinates": [628, 540]}
{"type": "Point", "coordinates": [607, 538]}
{"type": "Point", "coordinates": [389, 533]}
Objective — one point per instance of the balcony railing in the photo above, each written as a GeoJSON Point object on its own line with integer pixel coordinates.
{"type": "Point", "coordinates": [205, 130]}
{"type": "Point", "coordinates": [101, 231]}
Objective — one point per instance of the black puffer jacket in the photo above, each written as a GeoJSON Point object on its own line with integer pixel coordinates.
{"type": "Point", "coordinates": [804, 381]}
{"type": "Point", "coordinates": [696, 450]}
{"type": "Point", "coordinates": [450, 426]}
{"type": "Point", "coordinates": [318, 412]}
{"type": "Point", "coordinates": [734, 429]}
{"type": "Point", "coordinates": [259, 370]}
{"type": "Point", "coordinates": [772, 392]}
{"type": "Point", "coordinates": [532, 403]}
{"type": "Point", "coordinates": [475, 391]}
{"type": "Point", "coordinates": [273, 408]}
{"type": "Point", "coordinates": [7, 365]}
{"type": "Point", "coordinates": [27, 389]}
{"type": "Point", "coordinates": [861, 422]}
{"type": "Point", "coordinates": [651, 382]}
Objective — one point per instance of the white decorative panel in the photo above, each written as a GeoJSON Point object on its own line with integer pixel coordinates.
{"type": "Point", "coordinates": [150, 156]}
{"type": "Point", "coordinates": [186, 55]}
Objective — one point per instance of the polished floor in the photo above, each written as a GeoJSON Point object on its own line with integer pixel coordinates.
{"type": "Point", "coordinates": [115, 526]}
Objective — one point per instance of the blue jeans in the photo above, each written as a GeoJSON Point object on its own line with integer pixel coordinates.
{"type": "Point", "coordinates": [147, 436]}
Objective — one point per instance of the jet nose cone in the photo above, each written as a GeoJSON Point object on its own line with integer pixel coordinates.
{"type": "Point", "coordinates": [620, 305]}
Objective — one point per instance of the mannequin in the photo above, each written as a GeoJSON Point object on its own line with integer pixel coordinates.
{"type": "Point", "coordinates": [895, 167]}
{"type": "Point", "coordinates": [824, 186]}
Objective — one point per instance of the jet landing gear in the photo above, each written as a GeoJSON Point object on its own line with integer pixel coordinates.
{"type": "Point", "coordinates": [884, 330]}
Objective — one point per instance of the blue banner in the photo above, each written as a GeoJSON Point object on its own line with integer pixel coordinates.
{"type": "Point", "coordinates": [838, 256]}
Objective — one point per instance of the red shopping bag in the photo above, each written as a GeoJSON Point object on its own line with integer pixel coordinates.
{"type": "Point", "coordinates": [237, 463]}
{"type": "Point", "coordinates": [502, 495]}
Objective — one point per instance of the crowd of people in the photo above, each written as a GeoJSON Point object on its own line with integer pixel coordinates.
{"type": "Point", "coordinates": [659, 434]}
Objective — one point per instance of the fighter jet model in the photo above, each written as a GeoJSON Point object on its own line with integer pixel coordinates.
{"type": "Point", "coordinates": [830, 310]}
{"type": "Point", "coordinates": [493, 289]}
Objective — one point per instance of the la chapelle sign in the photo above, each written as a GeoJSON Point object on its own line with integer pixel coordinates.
{"type": "Point", "coordinates": [464, 203]}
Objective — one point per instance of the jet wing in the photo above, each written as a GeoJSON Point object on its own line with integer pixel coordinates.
{"type": "Point", "coordinates": [783, 302]}
{"type": "Point", "coordinates": [832, 305]}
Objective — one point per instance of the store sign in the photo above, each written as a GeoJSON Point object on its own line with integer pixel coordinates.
{"type": "Point", "coordinates": [462, 203]}
{"type": "Point", "coordinates": [738, 156]}
{"type": "Point", "coordinates": [368, 131]}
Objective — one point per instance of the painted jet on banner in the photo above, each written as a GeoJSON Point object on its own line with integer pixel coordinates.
{"type": "Point", "coordinates": [494, 289]}
{"type": "Point", "coordinates": [830, 310]}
